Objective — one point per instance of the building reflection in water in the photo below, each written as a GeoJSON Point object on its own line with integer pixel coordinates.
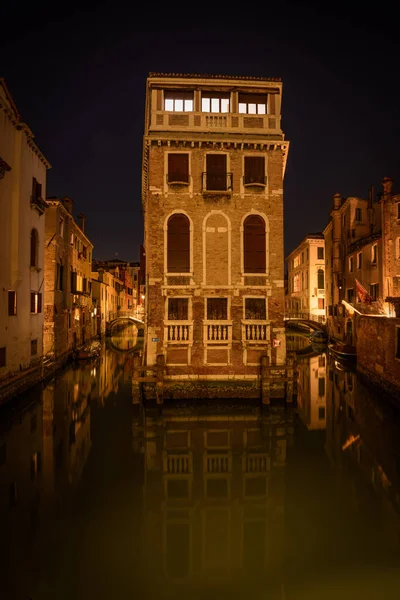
{"type": "Point", "coordinates": [311, 391]}
{"type": "Point", "coordinates": [213, 493]}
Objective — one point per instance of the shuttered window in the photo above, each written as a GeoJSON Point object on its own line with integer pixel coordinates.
{"type": "Point", "coordinates": [178, 309]}
{"type": "Point", "coordinates": [217, 309]}
{"type": "Point", "coordinates": [178, 168]}
{"type": "Point", "coordinates": [254, 169]}
{"type": "Point", "coordinates": [321, 279]}
{"type": "Point", "coordinates": [34, 248]}
{"type": "Point", "coordinates": [216, 176]}
{"type": "Point", "coordinates": [254, 245]}
{"type": "Point", "coordinates": [178, 244]}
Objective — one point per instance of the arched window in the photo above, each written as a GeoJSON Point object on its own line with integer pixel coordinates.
{"type": "Point", "coordinates": [34, 248]}
{"type": "Point", "coordinates": [254, 244]}
{"type": "Point", "coordinates": [321, 279]}
{"type": "Point", "coordinates": [178, 244]}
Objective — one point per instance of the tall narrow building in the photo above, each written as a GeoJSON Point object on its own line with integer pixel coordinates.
{"type": "Point", "coordinates": [214, 158]}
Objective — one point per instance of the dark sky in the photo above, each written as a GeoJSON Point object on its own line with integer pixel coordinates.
{"type": "Point", "coordinates": [78, 79]}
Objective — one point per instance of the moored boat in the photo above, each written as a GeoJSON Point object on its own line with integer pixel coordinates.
{"type": "Point", "coordinates": [343, 351]}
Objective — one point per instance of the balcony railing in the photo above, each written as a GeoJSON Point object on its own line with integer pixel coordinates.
{"type": "Point", "coordinates": [162, 120]}
{"type": "Point", "coordinates": [179, 332]}
{"type": "Point", "coordinates": [217, 463]}
{"type": "Point", "coordinates": [218, 331]}
{"type": "Point", "coordinates": [39, 204]}
{"type": "Point", "coordinates": [217, 182]}
{"type": "Point", "coordinates": [255, 463]}
{"type": "Point", "coordinates": [256, 331]}
{"type": "Point", "coordinates": [177, 464]}
{"type": "Point", "coordinates": [251, 180]}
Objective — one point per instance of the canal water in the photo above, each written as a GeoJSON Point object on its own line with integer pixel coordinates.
{"type": "Point", "coordinates": [101, 499]}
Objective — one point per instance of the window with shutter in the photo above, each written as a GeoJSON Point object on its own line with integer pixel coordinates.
{"type": "Point", "coordinates": [254, 245]}
{"type": "Point", "coordinates": [254, 170]}
{"type": "Point", "coordinates": [12, 303]}
{"type": "Point", "coordinates": [216, 175]}
{"type": "Point", "coordinates": [217, 309]}
{"type": "Point", "coordinates": [178, 244]}
{"type": "Point", "coordinates": [34, 248]}
{"type": "Point", "coordinates": [321, 279]}
{"type": "Point", "coordinates": [178, 168]}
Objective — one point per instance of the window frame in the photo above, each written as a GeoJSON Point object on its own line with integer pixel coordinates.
{"type": "Point", "coordinates": [227, 302]}
{"type": "Point", "coordinates": [36, 302]}
{"type": "Point", "coordinates": [215, 97]}
{"type": "Point", "coordinates": [188, 250]}
{"type": "Point", "coordinates": [254, 179]}
{"type": "Point", "coordinates": [12, 294]}
{"type": "Point", "coordinates": [177, 181]}
{"type": "Point", "coordinates": [261, 298]}
{"type": "Point", "coordinates": [175, 98]}
{"type": "Point", "coordinates": [263, 269]}
{"type": "Point", "coordinates": [257, 105]}
{"type": "Point", "coordinates": [359, 261]}
{"type": "Point", "coordinates": [34, 248]}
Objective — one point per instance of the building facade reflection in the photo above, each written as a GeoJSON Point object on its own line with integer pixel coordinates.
{"type": "Point", "coordinates": [213, 495]}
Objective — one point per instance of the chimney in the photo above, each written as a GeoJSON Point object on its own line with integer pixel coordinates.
{"type": "Point", "coordinates": [82, 217]}
{"type": "Point", "coordinates": [387, 185]}
{"type": "Point", "coordinates": [337, 201]}
{"type": "Point", "coordinates": [68, 204]}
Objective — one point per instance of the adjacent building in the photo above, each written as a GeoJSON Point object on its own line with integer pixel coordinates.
{"type": "Point", "coordinates": [214, 157]}
{"type": "Point", "coordinates": [70, 319]}
{"type": "Point", "coordinates": [22, 191]}
{"type": "Point", "coordinates": [306, 279]}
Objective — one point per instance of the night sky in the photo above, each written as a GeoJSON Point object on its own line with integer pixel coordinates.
{"type": "Point", "coordinates": [78, 79]}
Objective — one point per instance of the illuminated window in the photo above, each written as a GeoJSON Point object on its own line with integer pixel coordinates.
{"type": "Point", "coordinates": [214, 102]}
{"type": "Point", "coordinates": [296, 283]}
{"type": "Point", "coordinates": [36, 302]}
{"type": "Point", "coordinates": [374, 254]}
{"type": "Point", "coordinates": [253, 104]}
{"type": "Point", "coordinates": [34, 248]}
{"type": "Point", "coordinates": [254, 170]}
{"type": "Point", "coordinates": [178, 244]}
{"type": "Point", "coordinates": [175, 101]}
{"type": "Point", "coordinates": [178, 168]}
{"type": "Point", "coordinates": [254, 240]}
{"type": "Point", "coordinates": [321, 303]}
{"type": "Point", "coordinates": [374, 291]}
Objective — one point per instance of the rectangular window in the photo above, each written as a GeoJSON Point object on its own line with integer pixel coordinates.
{"type": "Point", "coordinates": [321, 303]}
{"type": "Point", "coordinates": [216, 175]}
{"type": "Point", "coordinates": [253, 104]}
{"type": "Point", "coordinates": [74, 278]}
{"type": "Point", "coordinates": [34, 347]}
{"type": "Point", "coordinates": [178, 168]}
{"type": "Point", "coordinates": [374, 254]}
{"type": "Point", "coordinates": [358, 215]}
{"type": "Point", "coordinates": [255, 309]}
{"type": "Point", "coordinates": [217, 309]}
{"type": "Point", "coordinates": [374, 291]}
{"type": "Point", "coordinates": [321, 386]}
{"type": "Point", "coordinates": [61, 227]}
{"type": "Point", "coordinates": [59, 277]}
{"type": "Point", "coordinates": [359, 260]}
{"type": "Point", "coordinates": [398, 210]}
{"type": "Point", "coordinates": [3, 356]}
{"type": "Point", "coordinates": [175, 101]}
{"type": "Point", "coordinates": [36, 189]}
{"type": "Point", "coordinates": [214, 102]}
{"type": "Point", "coordinates": [320, 252]}
{"type": "Point", "coordinates": [397, 342]}
{"type": "Point", "coordinates": [254, 170]}
{"type": "Point", "coordinates": [306, 253]}
{"type": "Point", "coordinates": [321, 411]}
{"type": "Point", "coordinates": [351, 264]}
{"type": "Point", "coordinates": [36, 302]}
{"type": "Point", "coordinates": [178, 309]}
{"type": "Point", "coordinates": [350, 295]}
{"type": "Point", "coordinates": [12, 303]}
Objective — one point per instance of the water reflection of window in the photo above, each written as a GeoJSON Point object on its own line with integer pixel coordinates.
{"type": "Point", "coordinates": [321, 386]}
{"type": "Point", "coordinates": [321, 413]}
{"type": "Point", "coordinates": [255, 486]}
{"type": "Point", "coordinates": [177, 550]}
{"type": "Point", "coordinates": [177, 489]}
{"type": "Point", "coordinates": [217, 487]}
{"type": "Point", "coordinates": [254, 548]}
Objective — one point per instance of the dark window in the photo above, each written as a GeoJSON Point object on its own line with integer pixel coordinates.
{"type": "Point", "coordinates": [215, 102]}
{"type": "Point", "coordinates": [358, 214]}
{"type": "Point", "coordinates": [254, 308]}
{"type": "Point", "coordinates": [253, 104]}
{"type": "Point", "coordinates": [34, 248]}
{"type": "Point", "coordinates": [33, 347]}
{"type": "Point", "coordinates": [216, 175]}
{"type": "Point", "coordinates": [320, 252]}
{"type": "Point", "coordinates": [398, 210]}
{"type": "Point", "coordinates": [254, 169]}
{"type": "Point", "coordinates": [178, 168]}
{"type": "Point", "coordinates": [12, 303]}
{"type": "Point", "coordinates": [359, 260]}
{"type": "Point", "coordinates": [321, 386]}
{"type": "Point", "coordinates": [69, 319]}
{"type": "Point", "coordinates": [321, 410]}
{"type": "Point", "coordinates": [84, 285]}
{"type": "Point", "coordinates": [321, 279]}
{"type": "Point", "coordinates": [217, 309]}
{"type": "Point", "coordinates": [60, 277]}
{"type": "Point", "coordinates": [33, 423]}
{"type": "Point", "coordinates": [13, 494]}
{"type": "Point", "coordinates": [374, 291]}
{"type": "Point", "coordinates": [254, 245]}
{"type": "Point", "coordinates": [3, 356]}
{"type": "Point", "coordinates": [178, 101]}
{"type": "Point", "coordinates": [36, 189]}
{"type": "Point", "coordinates": [178, 244]}
{"type": "Point", "coordinates": [397, 342]}
{"type": "Point", "coordinates": [178, 309]}
{"type": "Point", "coordinates": [350, 295]}
{"type": "Point", "coordinates": [3, 454]}
{"type": "Point", "coordinates": [74, 277]}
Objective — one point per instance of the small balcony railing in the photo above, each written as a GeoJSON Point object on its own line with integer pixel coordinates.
{"type": "Point", "coordinates": [251, 180]}
{"type": "Point", "coordinates": [218, 332]}
{"type": "Point", "coordinates": [217, 182]}
{"type": "Point", "coordinates": [177, 464]}
{"type": "Point", "coordinates": [179, 332]}
{"type": "Point", "coordinates": [256, 331]}
{"type": "Point", "coordinates": [217, 463]}
{"type": "Point", "coordinates": [255, 463]}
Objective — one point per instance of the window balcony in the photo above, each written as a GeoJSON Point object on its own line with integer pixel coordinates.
{"type": "Point", "coordinates": [38, 204]}
{"type": "Point", "coordinates": [217, 183]}
{"type": "Point", "coordinates": [217, 332]}
{"type": "Point", "coordinates": [177, 464]}
{"type": "Point", "coordinates": [256, 332]}
{"type": "Point", "coordinates": [179, 332]}
{"type": "Point", "coordinates": [217, 462]}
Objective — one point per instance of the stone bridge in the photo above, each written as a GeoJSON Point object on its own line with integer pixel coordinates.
{"type": "Point", "coordinates": [139, 324]}
{"type": "Point", "coordinates": [314, 325]}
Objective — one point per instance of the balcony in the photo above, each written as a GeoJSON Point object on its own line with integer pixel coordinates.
{"type": "Point", "coordinates": [177, 464]}
{"type": "Point", "coordinates": [215, 122]}
{"type": "Point", "coordinates": [255, 331]}
{"type": "Point", "coordinates": [217, 463]}
{"type": "Point", "coordinates": [179, 332]}
{"type": "Point", "coordinates": [217, 332]}
{"type": "Point", "coordinates": [38, 204]}
{"type": "Point", "coordinates": [217, 183]}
